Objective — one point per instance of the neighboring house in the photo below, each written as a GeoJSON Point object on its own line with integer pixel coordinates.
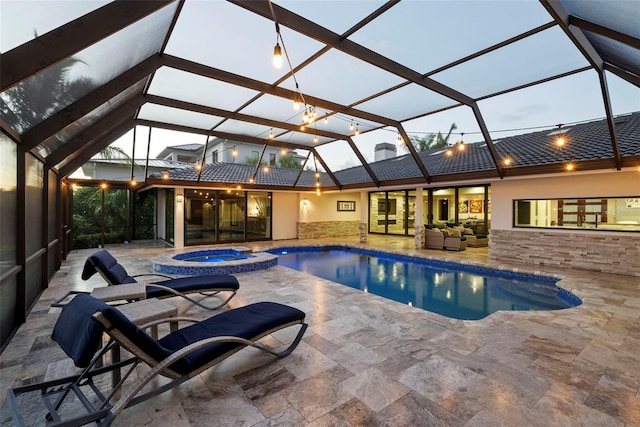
{"type": "Point", "coordinates": [186, 153]}
{"type": "Point", "coordinates": [120, 169]}
{"type": "Point", "coordinates": [221, 150]}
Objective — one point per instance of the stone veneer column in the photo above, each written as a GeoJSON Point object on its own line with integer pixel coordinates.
{"type": "Point", "coordinates": [419, 237]}
{"type": "Point", "coordinates": [363, 232]}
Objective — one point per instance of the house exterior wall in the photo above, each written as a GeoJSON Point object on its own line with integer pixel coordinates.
{"type": "Point", "coordinates": [284, 215]}
{"type": "Point", "coordinates": [603, 251]}
{"type": "Point", "coordinates": [244, 150]}
{"type": "Point", "coordinates": [319, 217]}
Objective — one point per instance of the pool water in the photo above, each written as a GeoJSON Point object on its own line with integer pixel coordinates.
{"type": "Point", "coordinates": [453, 290]}
{"type": "Point", "coordinates": [215, 258]}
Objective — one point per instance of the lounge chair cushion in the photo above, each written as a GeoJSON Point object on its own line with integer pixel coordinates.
{"type": "Point", "coordinates": [77, 332]}
{"type": "Point", "coordinates": [194, 283]}
{"type": "Point", "coordinates": [246, 322]}
{"type": "Point", "coordinates": [114, 272]}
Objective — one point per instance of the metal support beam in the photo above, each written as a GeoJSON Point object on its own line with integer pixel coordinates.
{"type": "Point", "coordinates": [413, 152]}
{"type": "Point", "coordinates": [364, 162]}
{"type": "Point", "coordinates": [562, 17]}
{"type": "Point", "coordinates": [95, 99]}
{"type": "Point", "coordinates": [326, 169]}
{"type": "Point", "coordinates": [100, 143]}
{"type": "Point", "coordinates": [154, 99]}
{"type": "Point", "coordinates": [101, 127]}
{"type": "Point", "coordinates": [604, 31]}
{"type": "Point", "coordinates": [235, 79]}
{"type": "Point", "coordinates": [36, 55]}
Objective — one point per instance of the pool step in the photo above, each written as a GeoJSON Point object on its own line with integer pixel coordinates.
{"type": "Point", "coordinates": [543, 296]}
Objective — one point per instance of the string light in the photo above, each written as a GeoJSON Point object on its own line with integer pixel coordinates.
{"type": "Point", "coordinates": [560, 140]}
{"type": "Point", "coordinates": [271, 135]}
{"type": "Point", "coordinates": [315, 139]}
{"type": "Point", "coordinates": [277, 51]}
{"type": "Point", "coordinates": [507, 161]}
{"type": "Point", "coordinates": [461, 146]}
{"type": "Point", "coordinates": [570, 166]}
{"type": "Point", "coordinates": [357, 132]}
{"type": "Point", "coordinates": [133, 183]}
{"type": "Point", "coordinates": [165, 176]}
{"type": "Point", "coordinates": [351, 126]}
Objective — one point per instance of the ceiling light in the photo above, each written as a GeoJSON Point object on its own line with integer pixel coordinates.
{"type": "Point", "coordinates": [357, 130]}
{"type": "Point", "coordinates": [283, 152]}
{"type": "Point", "coordinates": [570, 166]}
{"type": "Point", "coordinates": [506, 161]}
{"type": "Point", "coordinates": [296, 104]}
{"type": "Point", "coordinates": [265, 169]}
{"type": "Point", "coordinates": [271, 135]}
{"type": "Point", "coordinates": [351, 125]}
{"type": "Point", "coordinates": [315, 139]}
{"type": "Point", "coordinates": [449, 152]}
{"type": "Point", "coordinates": [103, 185]}
{"type": "Point", "coordinates": [277, 56]}
{"type": "Point", "coordinates": [133, 183]}
{"type": "Point", "coordinates": [165, 176]}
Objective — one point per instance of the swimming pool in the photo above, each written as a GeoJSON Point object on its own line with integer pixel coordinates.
{"type": "Point", "coordinates": [453, 290]}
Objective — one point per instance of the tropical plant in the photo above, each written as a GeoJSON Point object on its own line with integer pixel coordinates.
{"type": "Point", "coordinates": [433, 140]}
{"type": "Point", "coordinates": [288, 161]}
{"type": "Point", "coordinates": [253, 160]}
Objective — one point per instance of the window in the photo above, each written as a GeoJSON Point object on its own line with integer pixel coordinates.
{"type": "Point", "coordinates": [618, 214]}
{"type": "Point", "coordinates": [214, 156]}
{"type": "Point", "coordinates": [272, 159]}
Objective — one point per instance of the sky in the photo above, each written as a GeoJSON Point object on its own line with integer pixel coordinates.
{"type": "Point", "coordinates": [412, 33]}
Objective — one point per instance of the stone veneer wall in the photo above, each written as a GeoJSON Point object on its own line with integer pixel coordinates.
{"type": "Point", "coordinates": [314, 230]}
{"type": "Point", "coordinates": [606, 253]}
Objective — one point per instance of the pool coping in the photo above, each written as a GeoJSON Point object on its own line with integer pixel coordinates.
{"type": "Point", "coordinates": [167, 264]}
{"type": "Point", "coordinates": [568, 294]}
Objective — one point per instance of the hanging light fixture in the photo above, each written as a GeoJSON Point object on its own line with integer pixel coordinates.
{"type": "Point", "coordinates": [560, 139]}
{"type": "Point", "coordinates": [277, 51]}
{"type": "Point", "coordinates": [271, 135]}
{"type": "Point", "coordinates": [315, 139]}
{"type": "Point", "coordinates": [507, 161]}
{"type": "Point", "coordinates": [461, 146]}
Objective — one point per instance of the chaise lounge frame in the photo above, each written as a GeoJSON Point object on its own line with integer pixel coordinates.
{"type": "Point", "coordinates": [122, 332]}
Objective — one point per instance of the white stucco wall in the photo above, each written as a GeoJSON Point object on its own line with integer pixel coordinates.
{"type": "Point", "coordinates": [324, 207]}
{"type": "Point", "coordinates": [573, 185]}
{"type": "Point", "coordinates": [285, 215]}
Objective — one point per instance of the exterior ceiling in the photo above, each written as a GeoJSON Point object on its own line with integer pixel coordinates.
{"type": "Point", "coordinates": [98, 69]}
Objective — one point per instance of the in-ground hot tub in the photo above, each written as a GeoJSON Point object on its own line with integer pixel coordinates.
{"type": "Point", "coordinates": [213, 261]}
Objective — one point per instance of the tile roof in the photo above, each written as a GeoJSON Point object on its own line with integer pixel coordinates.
{"type": "Point", "coordinates": [585, 141]}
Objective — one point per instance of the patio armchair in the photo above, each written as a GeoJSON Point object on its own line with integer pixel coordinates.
{"type": "Point", "coordinates": [179, 356]}
{"type": "Point", "coordinates": [433, 238]}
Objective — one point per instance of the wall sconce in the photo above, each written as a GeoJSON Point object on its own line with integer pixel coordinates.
{"type": "Point", "coordinates": [305, 202]}
{"type": "Point", "coordinates": [179, 199]}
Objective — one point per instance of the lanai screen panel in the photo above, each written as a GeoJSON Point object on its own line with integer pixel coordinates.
{"type": "Point", "coordinates": [341, 78]}
{"type": "Point", "coordinates": [425, 35]}
{"type": "Point", "coordinates": [23, 20]}
{"type": "Point", "coordinates": [206, 32]}
{"type": "Point", "coordinates": [177, 116]}
{"type": "Point", "coordinates": [245, 128]}
{"type": "Point", "coordinates": [65, 135]}
{"type": "Point", "coordinates": [536, 57]}
{"type": "Point", "coordinates": [69, 80]}
{"type": "Point", "coordinates": [406, 102]}
{"type": "Point", "coordinates": [337, 16]}
{"type": "Point", "coordinates": [180, 85]}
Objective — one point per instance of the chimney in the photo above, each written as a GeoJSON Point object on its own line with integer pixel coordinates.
{"type": "Point", "coordinates": [384, 151]}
